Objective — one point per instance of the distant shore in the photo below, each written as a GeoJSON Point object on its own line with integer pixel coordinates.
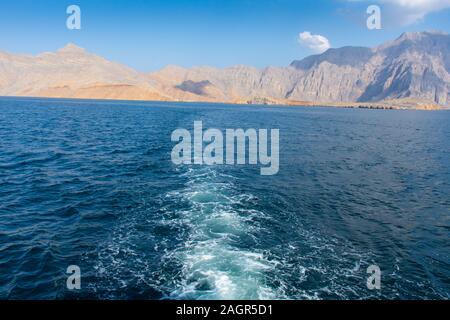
{"type": "Point", "coordinates": [401, 104]}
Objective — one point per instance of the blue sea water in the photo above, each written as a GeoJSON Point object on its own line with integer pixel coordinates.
{"type": "Point", "coordinates": [91, 183]}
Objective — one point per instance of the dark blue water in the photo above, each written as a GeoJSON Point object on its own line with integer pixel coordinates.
{"type": "Point", "coordinates": [92, 184]}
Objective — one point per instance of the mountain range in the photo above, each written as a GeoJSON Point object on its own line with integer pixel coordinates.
{"type": "Point", "coordinates": [411, 71]}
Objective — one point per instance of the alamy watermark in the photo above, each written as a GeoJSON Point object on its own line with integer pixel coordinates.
{"type": "Point", "coordinates": [374, 19]}
{"type": "Point", "coordinates": [74, 280]}
{"type": "Point", "coordinates": [374, 280]}
{"type": "Point", "coordinates": [73, 22]}
{"type": "Point", "coordinates": [238, 147]}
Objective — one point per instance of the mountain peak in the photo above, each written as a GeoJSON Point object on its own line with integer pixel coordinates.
{"type": "Point", "coordinates": [425, 39]}
{"type": "Point", "coordinates": [71, 48]}
{"type": "Point", "coordinates": [410, 36]}
{"type": "Point", "coordinates": [345, 56]}
{"type": "Point", "coordinates": [414, 36]}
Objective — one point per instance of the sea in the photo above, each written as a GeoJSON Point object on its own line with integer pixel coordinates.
{"type": "Point", "coordinates": [91, 184]}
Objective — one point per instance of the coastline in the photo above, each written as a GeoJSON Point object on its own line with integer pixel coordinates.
{"type": "Point", "coordinates": [401, 104]}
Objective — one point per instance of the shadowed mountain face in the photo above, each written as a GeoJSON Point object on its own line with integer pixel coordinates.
{"type": "Point", "coordinates": [346, 56]}
{"type": "Point", "coordinates": [414, 66]}
{"type": "Point", "coordinates": [194, 87]}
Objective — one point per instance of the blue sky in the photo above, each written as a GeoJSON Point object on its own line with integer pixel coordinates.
{"type": "Point", "coordinates": [149, 34]}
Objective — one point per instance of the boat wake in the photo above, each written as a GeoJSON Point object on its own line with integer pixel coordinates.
{"type": "Point", "coordinates": [217, 259]}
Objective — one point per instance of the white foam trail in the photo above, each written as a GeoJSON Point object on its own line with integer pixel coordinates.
{"type": "Point", "coordinates": [214, 265]}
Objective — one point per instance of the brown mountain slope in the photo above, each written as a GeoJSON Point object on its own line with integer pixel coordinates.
{"type": "Point", "coordinates": [413, 70]}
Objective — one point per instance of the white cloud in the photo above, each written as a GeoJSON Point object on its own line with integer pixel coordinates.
{"type": "Point", "coordinates": [415, 10]}
{"type": "Point", "coordinates": [429, 5]}
{"type": "Point", "coordinates": [314, 42]}
{"type": "Point", "coordinates": [411, 11]}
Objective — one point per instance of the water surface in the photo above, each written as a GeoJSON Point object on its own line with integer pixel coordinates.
{"type": "Point", "coordinates": [91, 183]}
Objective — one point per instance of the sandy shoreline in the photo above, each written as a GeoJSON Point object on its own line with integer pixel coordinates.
{"type": "Point", "coordinates": [403, 104]}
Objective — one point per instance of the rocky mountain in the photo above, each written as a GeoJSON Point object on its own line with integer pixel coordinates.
{"type": "Point", "coordinates": [414, 67]}
{"type": "Point", "coordinates": [71, 72]}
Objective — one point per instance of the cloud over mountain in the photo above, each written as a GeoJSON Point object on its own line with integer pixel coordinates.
{"type": "Point", "coordinates": [315, 42]}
